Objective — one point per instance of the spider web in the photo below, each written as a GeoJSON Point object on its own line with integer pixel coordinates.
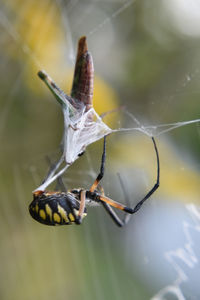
{"type": "Point", "coordinates": [57, 261]}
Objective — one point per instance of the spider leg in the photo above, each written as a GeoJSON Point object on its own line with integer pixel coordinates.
{"type": "Point", "coordinates": [114, 216]}
{"type": "Point", "coordinates": [102, 167]}
{"type": "Point", "coordinates": [79, 216]}
{"type": "Point", "coordinates": [82, 205]}
{"type": "Point", "coordinates": [115, 204]}
{"type": "Point", "coordinates": [53, 168]}
{"type": "Point", "coordinates": [100, 190]}
{"type": "Point", "coordinates": [51, 178]}
{"type": "Point", "coordinates": [60, 186]}
{"type": "Point", "coordinates": [156, 185]}
{"type": "Point", "coordinates": [107, 202]}
{"type": "Point", "coordinates": [111, 212]}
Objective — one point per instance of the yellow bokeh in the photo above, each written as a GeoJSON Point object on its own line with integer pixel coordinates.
{"type": "Point", "coordinates": [176, 182]}
{"type": "Point", "coordinates": [105, 100]}
{"type": "Point", "coordinates": [37, 29]}
{"type": "Point", "coordinates": [44, 46]}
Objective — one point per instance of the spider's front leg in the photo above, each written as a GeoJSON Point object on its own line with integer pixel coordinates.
{"type": "Point", "coordinates": [109, 203]}
{"type": "Point", "coordinates": [102, 167]}
{"type": "Point", "coordinates": [82, 206]}
{"type": "Point", "coordinates": [98, 193]}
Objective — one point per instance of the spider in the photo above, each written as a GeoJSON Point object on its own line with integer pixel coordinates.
{"type": "Point", "coordinates": [64, 208]}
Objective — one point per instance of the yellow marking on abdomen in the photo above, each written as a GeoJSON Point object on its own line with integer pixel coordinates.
{"type": "Point", "coordinates": [63, 213]}
{"type": "Point", "coordinates": [72, 219]}
{"type": "Point", "coordinates": [42, 214]}
{"type": "Point", "coordinates": [37, 208]}
{"type": "Point", "coordinates": [56, 217]}
{"type": "Point", "coordinates": [48, 211]}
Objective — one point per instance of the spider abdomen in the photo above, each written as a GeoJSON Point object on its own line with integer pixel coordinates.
{"type": "Point", "coordinates": [55, 208]}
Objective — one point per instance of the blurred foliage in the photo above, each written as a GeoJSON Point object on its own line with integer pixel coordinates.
{"type": "Point", "coordinates": [141, 58]}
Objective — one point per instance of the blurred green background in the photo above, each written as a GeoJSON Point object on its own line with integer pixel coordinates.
{"type": "Point", "coordinates": [146, 57]}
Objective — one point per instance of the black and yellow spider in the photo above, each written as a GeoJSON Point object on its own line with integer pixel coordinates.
{"type": "Point", "coordinates": [64, 208]}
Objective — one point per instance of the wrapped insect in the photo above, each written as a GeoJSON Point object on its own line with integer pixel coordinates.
{"type": "Point", "coordinates": [82, 125]}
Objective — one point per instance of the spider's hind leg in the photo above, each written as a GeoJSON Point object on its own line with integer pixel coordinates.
{"type": "Point", "coordinates": [115, 217]}
{"type": "Point", "coordinates": [120, 222]}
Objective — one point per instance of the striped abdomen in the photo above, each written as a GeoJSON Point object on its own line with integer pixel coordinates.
{"type": "Point", "coordinates": [54, 208]}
